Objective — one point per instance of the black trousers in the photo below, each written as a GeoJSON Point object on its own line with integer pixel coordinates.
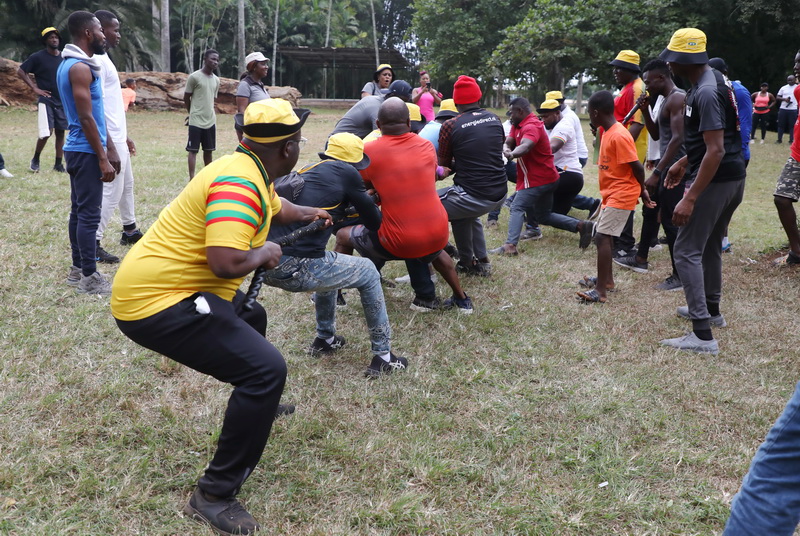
{"type": "Point", "coordinates": [786, 121]}
{"type": "Point", "coordinates": [666, 201]}
{"type": "Point", "coordinates": [228, 344]}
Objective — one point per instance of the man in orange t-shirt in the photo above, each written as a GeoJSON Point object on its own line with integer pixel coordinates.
{"type": "Point", "coordinates": [621, 178]}
{"type": "Point", "coordinates": [129, 93]}
{"type": "Point", "coordinates": [414, 228]}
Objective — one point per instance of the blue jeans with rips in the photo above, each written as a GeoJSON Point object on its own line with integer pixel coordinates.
{"type": "Point", "coordinates": [325, 275]}
{"type": "Point", "coordinates": [769, 499]}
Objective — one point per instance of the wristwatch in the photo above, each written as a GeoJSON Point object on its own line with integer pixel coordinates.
{"type": "Point", "coordinates": [658, 172]}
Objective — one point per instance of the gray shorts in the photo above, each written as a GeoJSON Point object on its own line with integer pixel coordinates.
{"type": "Point", "coordinates": [789, 181]}
{"type": "Point", "coordinates": [368, 245]}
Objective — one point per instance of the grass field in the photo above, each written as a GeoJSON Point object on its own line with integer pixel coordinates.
{"type": "Point", "coordinates": [535, 415]}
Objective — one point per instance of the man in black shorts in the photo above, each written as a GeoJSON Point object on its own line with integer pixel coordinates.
{"type": "Point", "coordinates": [43, 65]}
{"type": "Point", "coordinates": [202, 87]}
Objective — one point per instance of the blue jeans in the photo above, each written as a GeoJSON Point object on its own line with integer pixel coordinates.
{"type": "Point", "coordinates": [325, 276]}
{"type": "Point", "coordinates": [769, 499]}
{"type": "Point", "coordinates": [540, 199]}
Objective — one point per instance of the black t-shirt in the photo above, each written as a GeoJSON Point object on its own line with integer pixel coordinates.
{"type": "Point", "coordinates": [711, 105]}
{"type": "Point", "coordinates": [331, 185]}
{"type": "Point", "coordinates": [43, 66]}
{"type": "Point", "coordinates": [474, 140]}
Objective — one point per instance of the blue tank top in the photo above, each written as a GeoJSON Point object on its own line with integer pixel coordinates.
{"type": "Point", "coordinates": [76, 139]}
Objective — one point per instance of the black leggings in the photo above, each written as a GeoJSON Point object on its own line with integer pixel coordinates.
{"type": "Point", "coordinates": [759, 119]}
{"type": "Point", "coordinates": [228, 344]}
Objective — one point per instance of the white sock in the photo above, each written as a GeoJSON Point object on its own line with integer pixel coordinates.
{"type": "Point", "coordinates": [386, 357]}
{"type": "Point", "coordinates": [330, 341]}
{"type": "Point", "coordinates": [725, 242]}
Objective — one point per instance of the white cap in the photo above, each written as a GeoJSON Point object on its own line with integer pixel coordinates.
{"type": "Point", "coordinates": [254, 56]}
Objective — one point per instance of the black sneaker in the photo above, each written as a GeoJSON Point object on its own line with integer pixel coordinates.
{"type": "Point", "coordinates": [534, 233]}
{"type": "Point", "coordinates": [59, 168]}
{"type": "Point", "coordinates": [379, 367]}
{"type": "Point", "coordinates": [340, 301]}
{"type": "Point", "coordinates": [586, 232]}
{"type": "Point", "coordinates": [321, 346]}
{"type": "Point", "coordinates": [464, 306]}
{"type": "Point", "coordinates": [284, 409]}
{"type": "Point", "coordinates": [225, 516]}
{"type": "Point", "coordinates": [34, 165]}
{"type": "Point", "coordinates": [631, 263]}
{"type": "Point", "coordinates": [130, 239]}
{"type": "Point", "coordinates": [106, 257]}
{"type": "Point", "coordinates": [425, 306]}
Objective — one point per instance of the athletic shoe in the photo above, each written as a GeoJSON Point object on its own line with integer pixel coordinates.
{"type": "Point", "coordinates": [379, 367]}
{"type": "Point", "coordinates": [74, 277]}
{"type": "Point", "coordinates": [531, 234]}
{"type": "Point", "coordinates": [59, 168]}
{"type": "Point", "coordinates": [790, 259]}
{"type": "Point", "coordinates": [586, 232]}
{"type": "Point", "coordinates": [386, 283]}
{"type": "Point", "coordinates": [492, 224]}
{"type": "Point", "coordinates": [284, 409]}
{"type": "Point", "coordinates": [94, 284]}
{"type": "Point", "coordinates": [693, 343]}
{"type": "Point", "coordinates": [670, 283]}
{"type": "Point", "coordinates": [631, 263]}
{"type": "Point", "coordinates": [716, 321]}
{"type": "Point", "coordinates": [130, 239]}
{"type": "Point", "coordinates": [505, 252]}
{"type": "Point", "coordinates": [761, 142]}
{"type": "Point", "coordinates": [407, 278]}
{"type": "Point", "coordinates": [727, 248]}
{"type": "Point", "coordinates": [34, 166]}
{"type": "Point", "coordinates": [464, 306]}
{"type": "Point", "coordinates": [425, 306]}
{"type": "Point", "coordinates": [321, 346]}
{"type": "Point", "coordinates": [481, 269]}
{"type": "Point", "coordinates": [595, 210]}
{"type": "Point", "coordinates": [224, 516]}
{"type": "Point", "coordinates": [106, 257]}
{"type": "Point", "coordinates": [6, 173]}
{"type": "Point", "coordinates": [622, 253]}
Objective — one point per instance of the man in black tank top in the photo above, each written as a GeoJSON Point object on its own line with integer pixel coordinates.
{"type": "Point", "coordinates": [667, 130]}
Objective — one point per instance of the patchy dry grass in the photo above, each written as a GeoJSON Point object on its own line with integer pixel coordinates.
{"type": "Point", "coordinates": [508, 421]}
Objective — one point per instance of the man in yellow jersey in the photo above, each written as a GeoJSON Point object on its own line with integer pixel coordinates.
{"type": "Point", "coordinates": [176, 293]}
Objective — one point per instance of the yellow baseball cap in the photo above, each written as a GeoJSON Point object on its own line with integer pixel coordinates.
{"type": "Point", "coordinates": [271, 120]}
{"type": "Point", "coordinates": [346, 147]}
{"type": "Point", "coordinates": [550, 105]}
{"type": "Point", "coordinates": [555, 95]}
{"type": "Point", "coordinates": [382, 67]}
{"type": "Point", "coordinates": [414, 114]}
{"type": "Point", "coordinates": [626, 59]}
{"type": "Point", "coordinates": [447, 109]}
{"type": "Point", "coordinates": [687, 46]}
{"type": "Point", "coordinates": [49, 30]}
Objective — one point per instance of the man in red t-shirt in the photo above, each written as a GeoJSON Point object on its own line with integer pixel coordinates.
{"type": "Point", "coordinates": [537, 177]}
{"type": "Point", "coordinates": [402, 171]}
{"type": "Point", "coordinates": [787, 191]}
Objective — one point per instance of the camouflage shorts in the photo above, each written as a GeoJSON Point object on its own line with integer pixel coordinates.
{"type": "Point", "coordinates": [789, 181]}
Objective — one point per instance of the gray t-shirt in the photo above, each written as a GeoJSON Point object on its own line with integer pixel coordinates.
{"type": "Point", "coordinates": [204, 90]}
{"type": "Point", "coordinates": [371, 88]}
{"type": "Point", "coordinates": [252, 90]}
{"type": "Point", "coordinates": [360, 119]}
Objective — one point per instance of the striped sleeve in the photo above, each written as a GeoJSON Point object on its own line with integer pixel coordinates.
{"type": "Point", "coordinates": [234, 212]}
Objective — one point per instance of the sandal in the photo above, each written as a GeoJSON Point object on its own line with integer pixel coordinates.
{"type": "Point", "coordinates": [591, 282]}
{"type": "Point", "coordinates": [590, 296]}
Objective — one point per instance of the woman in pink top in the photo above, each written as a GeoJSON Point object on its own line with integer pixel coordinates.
{"type": "Point", "coordinates": [425, 96]}
{"type": "Point", "coordinates": [763, 101]}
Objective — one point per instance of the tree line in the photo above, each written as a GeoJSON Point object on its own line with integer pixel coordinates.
{"type": "Point", "coordinates": [527, 45]}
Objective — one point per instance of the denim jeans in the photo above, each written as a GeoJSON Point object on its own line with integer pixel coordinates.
{"type": "Point", "coordinates": [540, 198]}
{"type": "Point", "coordinates": [769, 499]}
{"type": "Point", "coordinates": [325, 275]}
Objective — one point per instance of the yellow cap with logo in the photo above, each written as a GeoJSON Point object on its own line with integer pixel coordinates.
{"type": "Point", "coordinates": [549, 105]}
{"type": "Point", "coordinates": [555, 95]}
{"type": "Point", "coordinates": [687, 46]}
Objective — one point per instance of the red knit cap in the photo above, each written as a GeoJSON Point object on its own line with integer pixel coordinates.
{"type": "Point", "coordinates": [466, 90]}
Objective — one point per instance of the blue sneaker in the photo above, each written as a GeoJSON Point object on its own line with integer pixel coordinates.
{"type": "Point", "coordinates": [464, 305]}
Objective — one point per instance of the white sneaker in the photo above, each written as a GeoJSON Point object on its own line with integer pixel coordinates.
{"type": "Point", "coordinates": [693, 343]}
{"type": "Point", "coordinates": [407, 279]}
{"type": "Point", "coordinates": [6, 173]}
{"type": "Point", "coordinates": [761, 142]}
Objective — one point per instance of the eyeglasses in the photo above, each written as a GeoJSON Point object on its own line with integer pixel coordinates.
{"type": "Point", "coordinates": [301, 142]}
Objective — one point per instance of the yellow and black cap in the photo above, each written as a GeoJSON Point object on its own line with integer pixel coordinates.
{"type": "Point", "coordinates": [271, 120]}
